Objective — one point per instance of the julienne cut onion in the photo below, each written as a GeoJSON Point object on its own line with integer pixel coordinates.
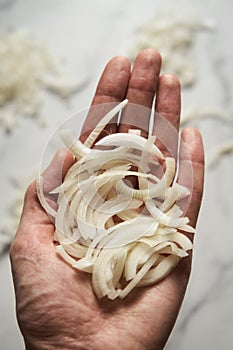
{"type": "Point", "coordinates": [124, 231]}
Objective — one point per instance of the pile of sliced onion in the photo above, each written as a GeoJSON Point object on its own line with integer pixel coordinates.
{"type": "Point", "coordinates": [173, 33]}
{"type": "Point", "coordinates": [125, 236]}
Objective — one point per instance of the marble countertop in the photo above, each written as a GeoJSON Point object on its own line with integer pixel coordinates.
{"type": "Point", "coordinates": [88, 34]}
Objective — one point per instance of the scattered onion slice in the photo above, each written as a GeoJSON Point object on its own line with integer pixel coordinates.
{"type": "Point", "coordinates": [125, 237]}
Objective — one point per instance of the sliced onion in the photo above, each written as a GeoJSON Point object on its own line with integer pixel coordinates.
{"type": "Point", "coordinates": [125, 237]}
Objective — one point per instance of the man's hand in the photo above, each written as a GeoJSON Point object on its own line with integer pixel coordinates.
{"type": "Point", "coordinates": [56, 307]}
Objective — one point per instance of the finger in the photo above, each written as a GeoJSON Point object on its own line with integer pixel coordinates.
{"type": "Point", "coordinates": [54, 174]}
{"type": "Point", "coordinates": [34, 219]}
{"type": "Point", "coordinates": [191, 172]}
{"type": "Point", "coordinates": [141, 91]}
{"type": "Point", "coordinates": [111, 90]}
{"type": "Point", "coordinates": [52, 177]}
{"type": "Point", "coordinates": [167, 117]}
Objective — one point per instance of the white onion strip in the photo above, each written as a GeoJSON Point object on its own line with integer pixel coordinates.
{"type": "Point", "coordinates": [125, 237]}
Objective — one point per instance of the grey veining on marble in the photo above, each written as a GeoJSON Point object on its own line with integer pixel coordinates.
{"type": "Point", "coordinates": [90, 33]}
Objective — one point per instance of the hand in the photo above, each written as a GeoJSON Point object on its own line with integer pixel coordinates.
{"type": "Point", "coordinates": [56, 307]}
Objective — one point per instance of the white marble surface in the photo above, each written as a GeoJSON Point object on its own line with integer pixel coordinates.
{"type": "Point", "coordinates": [88, 33]}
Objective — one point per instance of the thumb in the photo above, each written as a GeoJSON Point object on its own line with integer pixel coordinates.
{"type": "Point", "coordinates": [52, 177]}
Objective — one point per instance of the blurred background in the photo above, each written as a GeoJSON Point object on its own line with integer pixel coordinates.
{"type": "Point", "coordinates": [51, 56]}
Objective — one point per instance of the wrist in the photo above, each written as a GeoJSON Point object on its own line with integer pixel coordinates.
{"type": "Point", "coordinates": [68, 344]}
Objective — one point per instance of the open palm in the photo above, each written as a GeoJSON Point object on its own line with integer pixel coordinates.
{"type": "Point", "coordinates": [56, 307]}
